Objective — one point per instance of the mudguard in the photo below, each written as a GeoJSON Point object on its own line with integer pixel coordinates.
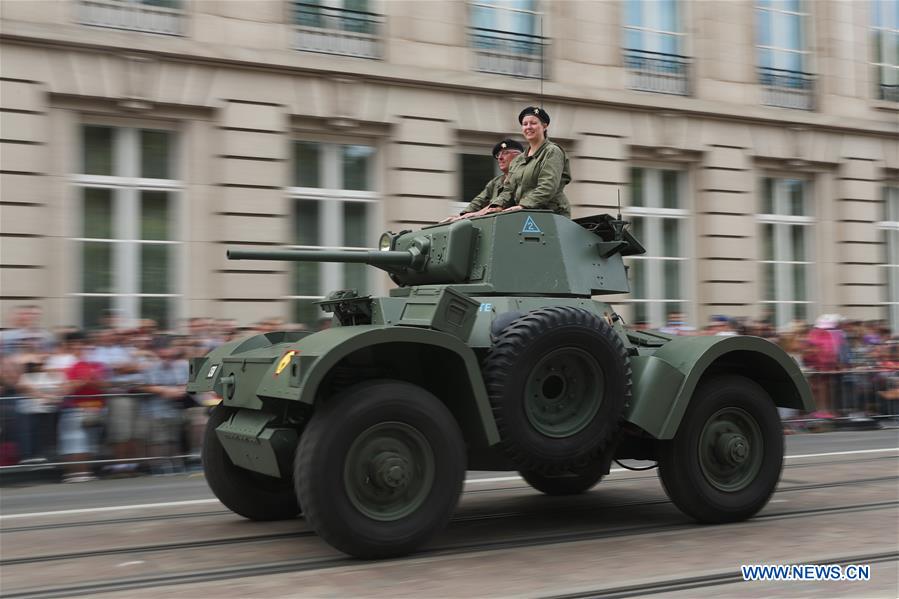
{"type": "Point", "coordinates": [294, 369]}
{"type": "Point", "coordinates": [664, 381]}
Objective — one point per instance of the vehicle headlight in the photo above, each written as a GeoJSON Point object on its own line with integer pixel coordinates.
{"type": "Point", "coordinates": [385, 242]}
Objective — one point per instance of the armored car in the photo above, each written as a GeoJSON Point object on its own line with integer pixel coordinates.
{"type": "Point", "coordinates": [495, 351]}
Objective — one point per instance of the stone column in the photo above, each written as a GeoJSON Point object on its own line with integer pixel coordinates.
{"type": "Point", "coordinates": [726, 252]}
{"type": "Point", "coordinates": [599, 170]}
{"type": "Point", "coordinates": [252, 210]}
{"type": "Point", "coordinates": [860, 282]}
{"type": "Point", "coordinates": [420, 166]}
{"type": "Point", "coordinates": [24, 255]}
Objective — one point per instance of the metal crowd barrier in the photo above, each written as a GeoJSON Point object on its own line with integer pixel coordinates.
{"type": "Point", "coordinates": [855, 391]}
{"type": "Point", "coordinates": [127, 433]}
{"type": "Point", "coordinates": [140, 432]}
{"type": "Point", "coordinates": [849, 399]}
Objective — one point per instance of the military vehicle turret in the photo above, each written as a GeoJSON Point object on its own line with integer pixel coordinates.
{"type": "Point", "coordinates": [491, 354]}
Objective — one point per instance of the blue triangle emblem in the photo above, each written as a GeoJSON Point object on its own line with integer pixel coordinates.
{"type": "Point", "coordinates": [530, 226]}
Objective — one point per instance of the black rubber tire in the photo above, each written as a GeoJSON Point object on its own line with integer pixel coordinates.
{"type": "Point", "coordinates": [322, 456]}
{"type": "Point", "coordinates": [249, 494]}
{"type": "Point", "coordinates": [679, 459]}
{"type": "Point", "coordinates": [515, 354]}
{"type": "Point", "coordinates": [570, 482]}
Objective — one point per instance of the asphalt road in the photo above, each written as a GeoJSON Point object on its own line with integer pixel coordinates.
{"type": "Point", "coordinates": [192, 487]}
{"type": "Point", "coordinates": [837, 503]}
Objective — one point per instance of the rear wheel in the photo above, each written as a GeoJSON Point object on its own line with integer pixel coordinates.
{"type": "Point", "coordinates": [568, 482]}
{"type": "Point", "coordinates": [726, 459]}
{"type": "Point", "coordinates": [250, 494]}
{"type": "Point", "coordinates": [379, 469]}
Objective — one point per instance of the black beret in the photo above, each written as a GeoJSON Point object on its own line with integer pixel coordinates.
{"type": "Point", "coordinates": [537, 112]}
{"type": "Point", "coordinates": [507, 144]}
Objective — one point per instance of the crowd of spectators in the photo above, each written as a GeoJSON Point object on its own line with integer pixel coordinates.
{"type": "Point", "coordinates": [111, 400]}
{"type": "Point", "coordinates": [111, 395]}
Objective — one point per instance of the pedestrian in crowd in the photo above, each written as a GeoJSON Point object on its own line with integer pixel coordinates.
{"type": "Point", "coordinates": [858, 385]}
{"type": "Point", "coordinates": [166, 381]}
{"type": "Point", "coordinates": [888, 363]}
{"type": "Point", "coordinates": [82, 414]}
{"type": "Point", "coordinates": [124, 373]}
{"type": "Point", "coordinates": [10, 371]}
{"type": "Point", "coordinates": [677, 325]}
{"type": "Point", "coordinates": [63, 354]}
{"type": "Point", "coordinates": [761, 328]}
{"type": "Point", "coordinates": [642, 325]}
{"type": "Point", "coordinates": [202, 332]}
{"type": "Point", "coordinates": [26, 334]}
{"type": "Point", "coordinates": [537, 177]}
{"type": "Point", "coordinates": [825, 354]}
{"type": "Point", "coordinates": [40, 389]}
{"type": "Point", "coordinates": [270, 324]}
{"type": "Point", "coordinates": [226, 330]}
{"type": "Point", "coordinates": [194, 406]}
{"type": "Point", "coordinates": [720, 325]}
{"type": "Point", "coordinates": [792, 340]}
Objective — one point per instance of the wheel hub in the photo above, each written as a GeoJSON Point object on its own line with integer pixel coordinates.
{"type": "Point", "coordinates": [730, 449]}
{"type": "Point", "coordinates": [564, 392]}
{"type": "Point", "coordinates": [389, 470]}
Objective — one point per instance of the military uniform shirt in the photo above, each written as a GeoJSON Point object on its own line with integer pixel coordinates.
{"type": "Point", "coordinates": [538, 181]}
{"type": "Point", "coordinates": [488, 196]}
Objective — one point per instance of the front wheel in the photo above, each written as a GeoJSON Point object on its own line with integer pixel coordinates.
{"type": "Point", "coordinates": [250, 494]}
{"type": "Point", "coordinates": [380, 468]}
{"type": "Point", "coordinates": [726, 459]}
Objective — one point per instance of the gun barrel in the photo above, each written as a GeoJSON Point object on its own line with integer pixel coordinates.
{"type": "Point", "coordinates": [373, 257]}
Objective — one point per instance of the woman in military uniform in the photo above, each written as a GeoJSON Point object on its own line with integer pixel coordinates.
{"type": "Point", "coordinates": [537, 177]}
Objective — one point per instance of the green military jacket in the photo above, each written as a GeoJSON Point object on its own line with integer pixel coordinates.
{"type": "Point", "coordinates": [538, 181]}
{"type": "Point", "coordinates": [488, 195]}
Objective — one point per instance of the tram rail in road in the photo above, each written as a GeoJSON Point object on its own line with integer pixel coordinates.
{"type": "Point", "coordinates": [11, 506]}
{"type": "Point", "coordinates": [846, 494]}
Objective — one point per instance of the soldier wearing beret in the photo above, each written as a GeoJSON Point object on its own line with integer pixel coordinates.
{"type": "Point", "coordinates": [537, 177]}
{"type": "Point", "coordinates": [503, 152]}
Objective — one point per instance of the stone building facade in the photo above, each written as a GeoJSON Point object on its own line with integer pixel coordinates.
{"type": "Point", "coordinates": [755, 145]}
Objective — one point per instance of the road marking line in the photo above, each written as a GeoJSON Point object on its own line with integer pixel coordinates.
{"type": "Point", "coordinates": [502, 479]}
{"type": "Point", "coordinates": [851, 452]}
{"type": "Point", "coordinates": [497, 479]}
{"type": "Point", "coordinates": [111, 508]}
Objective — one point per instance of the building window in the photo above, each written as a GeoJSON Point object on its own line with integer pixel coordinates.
{"type": "Point", "coordinates": [653, 46]}
{"type": "Point", "coordinates": [781, 29]}
{"type": "Point", "coordinates": [166, 17]}
{"type": "Point", "coordinates": [786, 226]}
{"type": "Point", "coordinates": [658, 215]}
{"type": "Point", "coordinates": [885, 48]}
{"type": "Point", "coordinates": [334, 208]}
{"type": "Point", "coordinates": [506, 37]}
{"type": "Point", "coordinates": [890, 226]}
{"type": "Point", "coordinates": [346, 27]}
{"type": "Point", "coordinates": [127, 240]}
